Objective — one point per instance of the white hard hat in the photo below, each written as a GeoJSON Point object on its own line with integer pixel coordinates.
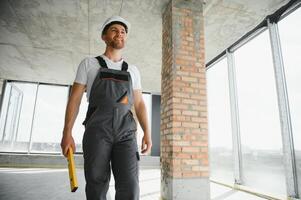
{"type": "Point", "coordinates": [115, 19]}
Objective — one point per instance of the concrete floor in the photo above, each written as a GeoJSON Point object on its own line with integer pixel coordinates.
{"type": "Point", "coordinates": [52, 184]}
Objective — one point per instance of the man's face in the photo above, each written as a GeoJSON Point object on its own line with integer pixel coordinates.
{"type": "Point", "coordinates": [115, 36]}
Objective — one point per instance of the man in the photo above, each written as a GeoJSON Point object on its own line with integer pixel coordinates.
{"type": "Point", "coordinates": [109, 140]}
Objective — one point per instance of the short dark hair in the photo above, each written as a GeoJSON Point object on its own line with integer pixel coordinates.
{"type": "Point", "coordinates": [105, 29]}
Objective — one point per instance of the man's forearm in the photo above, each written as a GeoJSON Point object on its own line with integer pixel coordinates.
{"type": "Point", "coordinates": [142, 117]}
{"type": "Point", "coordinates": [70, 116]}
{"type": "Point", "coordinates": [73, 107]}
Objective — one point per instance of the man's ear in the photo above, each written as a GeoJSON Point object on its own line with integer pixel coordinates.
{"type": "Point", "coordinates": [103, 37]}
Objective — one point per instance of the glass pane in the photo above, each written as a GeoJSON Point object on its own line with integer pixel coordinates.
{"type": "Point", "coordinates": [219, 120]}
{"type": "Point", "coordinates": [4, 107]}
{"type": "Point", "coordinates": [259, 117]}
{"type": "Point", "coordinates": [22, 96]}
{"type": "Point", "coordinates": [10, 117]}
{"type": "Point", "coordinates": [49, 118]}
{"type": "Point", "coordinates": [290, 32]}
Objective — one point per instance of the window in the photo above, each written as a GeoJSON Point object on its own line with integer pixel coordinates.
{"type": "Point", "coordinates": [259, 117]}
{"type": "Point", "coordinates": [290, 32]}
{"type": "Point", "coordinates": [16, 116]}
{"type": "Point", "coordinates": [49, 118]}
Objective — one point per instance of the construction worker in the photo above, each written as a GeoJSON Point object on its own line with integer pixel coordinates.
{"type": "Point", "coordinates": [109, 141]}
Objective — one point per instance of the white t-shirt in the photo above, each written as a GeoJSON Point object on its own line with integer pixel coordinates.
{"type": "Point", "coordinates": [88, 68]}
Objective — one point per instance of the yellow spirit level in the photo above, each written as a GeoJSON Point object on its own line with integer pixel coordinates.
{"type": "Point", "coordinates": [72, 172]}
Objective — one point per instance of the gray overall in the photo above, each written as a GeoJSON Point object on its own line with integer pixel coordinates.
{"type": "Point", "coordinates": [110, 136]}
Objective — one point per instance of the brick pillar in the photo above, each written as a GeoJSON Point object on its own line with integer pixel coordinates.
{"type": "Point", "coordinates": [184, 126]}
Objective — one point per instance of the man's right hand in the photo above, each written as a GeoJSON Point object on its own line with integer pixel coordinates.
{"type": "Point", "coordinates": [67, 141]}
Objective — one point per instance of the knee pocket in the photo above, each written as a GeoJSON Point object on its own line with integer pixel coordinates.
{"type": "Point", "coordinates": [96, 175]}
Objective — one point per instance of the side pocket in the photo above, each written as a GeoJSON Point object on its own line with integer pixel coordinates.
{"type": "Point", "coordinates": [137, 150]}
{"type": "Point", "coordinates": [89, 115]}
{"type": "Point", "coordinates": [137, 155]}
{"type": "Point", "coordinates": [133, 121]}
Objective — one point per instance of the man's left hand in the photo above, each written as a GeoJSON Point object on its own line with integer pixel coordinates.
{"type": "Point", "coordinates": [146, 144]}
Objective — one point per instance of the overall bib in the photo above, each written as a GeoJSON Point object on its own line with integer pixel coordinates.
{"type": "Point", "coordinates": [110, 136]}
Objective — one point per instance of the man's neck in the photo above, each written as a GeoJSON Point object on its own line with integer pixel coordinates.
{"type": "Point", "coordinates": [113, 54]}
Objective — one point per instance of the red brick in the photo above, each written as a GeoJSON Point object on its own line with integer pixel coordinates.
{"type": "Point", "coordinates": [190, 124]}
{"type": "Point", "coordinates": [180, 106]}
{"type": "Point", "coordinates": [182, 155]}
{"type": "Point", "coordinates": [190, 149]}
{"type": "Point", "coordinates": [176, 149]}
{"type": "Point", "coordinates": [190, 101]}
{"type": "Point", "coordinates": [190, 113]}
{"type": "Point", "coordinates": [190, 162]}
{"type": "Point", "coordinates": [189, 79]}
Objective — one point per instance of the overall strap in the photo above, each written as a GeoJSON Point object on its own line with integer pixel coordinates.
{"type": "Point", "coordinates": [101, 62]}
{"type": "Point", "coordinates": [124, 66]}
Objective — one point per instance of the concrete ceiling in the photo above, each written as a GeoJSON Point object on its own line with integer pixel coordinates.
{"type": "Point", "coordinates": [44, 40]}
